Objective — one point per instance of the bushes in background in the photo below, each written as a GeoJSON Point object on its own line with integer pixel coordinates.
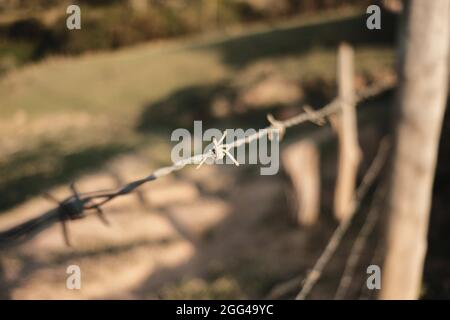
{"type": "Point", "coordinates": [110, 24]}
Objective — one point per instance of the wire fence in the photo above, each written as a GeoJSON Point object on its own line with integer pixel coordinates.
{"type": "Point", "coordinates": [313, 276]}
{"type": "Point", "coordinates": [369, 178]}
{"type": "Point", "coordinates": [78, 205]}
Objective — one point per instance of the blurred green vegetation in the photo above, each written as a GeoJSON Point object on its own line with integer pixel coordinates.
{"type": "Point", "coordinates": [32, 30]}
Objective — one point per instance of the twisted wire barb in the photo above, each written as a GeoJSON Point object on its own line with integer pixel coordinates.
{"type": "Point", "coordinates": [75, 206]}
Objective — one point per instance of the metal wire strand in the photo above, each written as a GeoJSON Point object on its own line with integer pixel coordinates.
{"type": "Point", "coordinates": [77, 205]}
{"type": "Point", "coordinates": [368, 180]}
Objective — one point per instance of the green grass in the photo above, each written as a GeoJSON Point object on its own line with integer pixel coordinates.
{"type": "Point", "coordinates": [119, 83]}
{"type": "Point", "coordinates": [13, 55]}
{"type": "Point", "coordinates": [119, 88]}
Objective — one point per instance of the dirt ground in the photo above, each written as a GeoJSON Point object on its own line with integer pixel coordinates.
{"type": "Point", "coordinates": [216, 232]}
{"type": "Point", "coordinates": [200, 234]}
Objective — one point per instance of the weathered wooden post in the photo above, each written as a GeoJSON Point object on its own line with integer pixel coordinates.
{"type": "Point", "coordinates": [139, 6]}
{"type": "Point", "coordinates": [421, 99]}
{"type": "Point", "coordinates": [301, 163]}
{"type": "Point", "coordinates": [345, 124]}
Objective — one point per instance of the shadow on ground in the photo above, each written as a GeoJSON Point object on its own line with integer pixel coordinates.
{"type": "Point", "coordinates": [238, 52]}
{"type": "Point", "coordinates": [34, 172]}
{"type": "Point", "coordinates": [258, 246]}
{"type": "Point", "coordinates": [220, 106]}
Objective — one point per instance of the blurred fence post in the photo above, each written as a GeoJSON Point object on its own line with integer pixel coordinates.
{"type": "Point", "coordinates": [209, 15]}
{"type": "Point", "coordinates": [139, 6]}
{"type": "Point", "coordinates": [301, 163]}
{"type": "Point", "coordinates": [422, 94]}
{"type": "Point", "coordinates": [345, 124]}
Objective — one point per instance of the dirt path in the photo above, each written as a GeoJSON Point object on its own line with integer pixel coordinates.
{"type": "Point", "coordinates": [187, 236]}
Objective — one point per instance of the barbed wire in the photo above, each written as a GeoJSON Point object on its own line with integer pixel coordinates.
{"type": "Point", "coordinates": [307, 283]}
{"type": "Point", "coordinates": [360, 243]}
{"type": "Point", "coordinates": [78, 204]}
{"type": "Point", "coordinates": [368, 179]}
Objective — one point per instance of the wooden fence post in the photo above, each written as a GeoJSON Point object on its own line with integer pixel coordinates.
{"type": "Point", "coordinates": [301, 163]}
{"type": "Point", "coordinates": [345, 124]}
{"type": "Point", "coordinates": [422, 95]}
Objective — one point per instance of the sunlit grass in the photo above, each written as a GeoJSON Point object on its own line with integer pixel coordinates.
{"type": "Point", "coordinates": [41, 104]}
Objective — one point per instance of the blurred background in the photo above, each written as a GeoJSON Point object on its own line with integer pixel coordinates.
{"type": "Point", "coordinates": [97, 107]}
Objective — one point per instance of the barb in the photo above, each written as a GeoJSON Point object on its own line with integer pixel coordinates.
{"type": "Point", "coordinates": [219, 151]}
{"type": "Point", "coordinates": [369, 178]}
{"type": "Point", "coordinates": [72, 208]}
{"type": "Point", "coordinates": [78, 205]}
